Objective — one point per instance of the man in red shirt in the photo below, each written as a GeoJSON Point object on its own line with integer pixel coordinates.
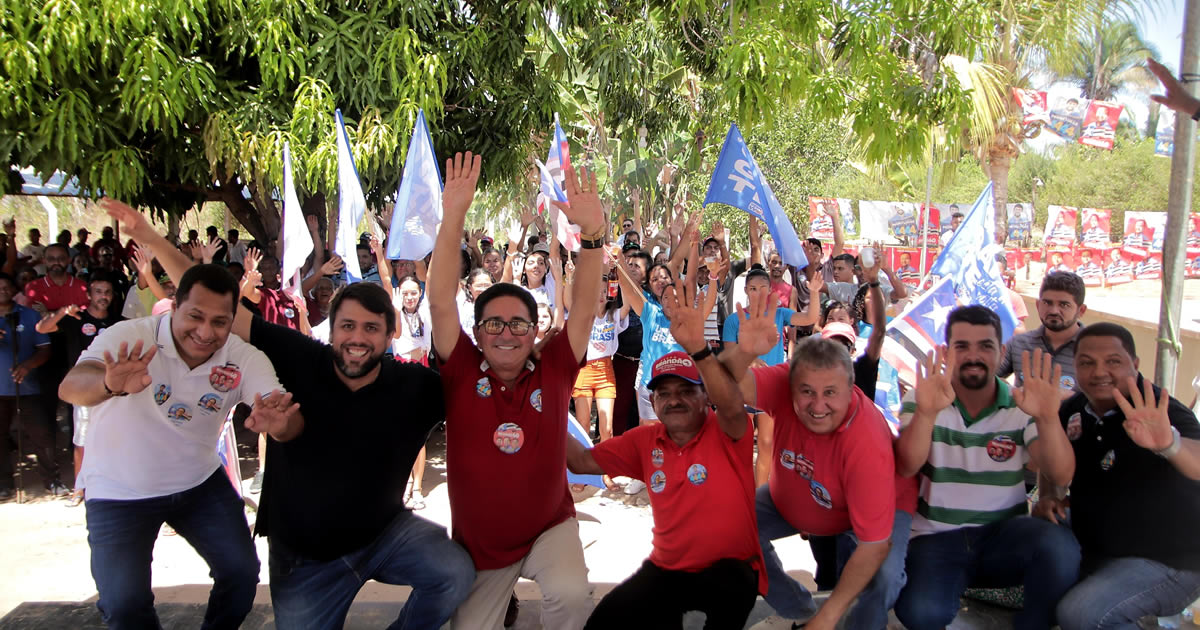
{"type": "Point", "coordinates": [506, 418]}
{"type": "Point", "coordinates": [698, 464]}
{"type": "Point", "coordinates": [834, 474]}
{"type": "Point", "coordinates": [57, 288]}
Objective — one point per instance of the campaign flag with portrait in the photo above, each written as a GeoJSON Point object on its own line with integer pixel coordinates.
{"type": "Point", "coordinates": [1100, 124]}
{"type": "Point", "coordinates": [1096, 227]}
{"type": "Point", "coordinates": [1060, 225]}
{"type": "Point", "coordinates": [418, 209]}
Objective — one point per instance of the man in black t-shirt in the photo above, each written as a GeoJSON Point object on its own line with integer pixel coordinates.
{"type": "Point", "coordinates": [77, 329]}
{"type": "Point", "coordinates": [1135, 500]}
{"type": "Point", "coordinates": [330, 531]}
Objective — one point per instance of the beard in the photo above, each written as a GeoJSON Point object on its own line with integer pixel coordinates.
{"type": "Point", "coordinates": [1058, 324]}
{"type": "Point", "coordinates": [368, 363]}
{"type": "Point", "coordinates": [57, 268]}
{"type": "Point", "coordinates": [972, 381]}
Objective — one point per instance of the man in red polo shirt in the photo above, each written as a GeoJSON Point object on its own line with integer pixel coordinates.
{"type": "Point", "coordinates": [833, 474]}
{"type": "Point", "coordinates": [699, 467]}
{"type": "Point", "coordinates": [506, 418]}
{"type": "Point", "coordinates": [57, 288]}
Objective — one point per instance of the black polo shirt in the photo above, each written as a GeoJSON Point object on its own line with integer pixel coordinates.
{"type": "Point", "coordinates": [334, 489]}
{"type": "Point", "coordinates": [1125, 500]}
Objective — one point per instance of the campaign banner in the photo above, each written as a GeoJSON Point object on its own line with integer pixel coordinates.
{"type": "Point", "coordinates": [1020, 222]}
{"type": "Point", "coordinates": [1164, 133]}
{"type": "Point", "coordinates": [1193, 237]}
{"type": "Point", "coordinates": [1150, 268]}
{"type": "Point", "coordinates": [821, 211]}
{"type": "Point", "coordinates": [1060, 259]}
{"type": "Point", "coordinates": [1066, 117]}
{"type": "Point", "coordinates": [1060, 225]}
{"type": "Point", "coordinates": [1193, 266]}
{"type": "Point", "coordinates": [1088, 266]}
{"type": "Point", "coordinates": [1033, 106]}
{"type": "Point", "coordinates": [893, 222]}
{"type": "Point", "coordinates": [1029, 255]}
{"type": "Point", "coordinates": [906, 262]}
{"type": "Point", "coordinates": [1144, 232]}
{"type": "Point", "coordinates": [1096, 227]}
{"type": "Point", "coordinates": [932, 224]}
{"type": "Point", "coordinates": [1100, 124]}
{"type": "Point", "coordinates": [1117, 267]}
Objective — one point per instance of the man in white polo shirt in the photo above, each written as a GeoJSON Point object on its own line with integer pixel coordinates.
{"type": "Point", "coordinates": [159, 389]}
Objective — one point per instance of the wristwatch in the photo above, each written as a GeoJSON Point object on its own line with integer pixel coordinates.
{"type": "Point", "coordinates": [111, 393]}
{"type": "Point", "coordinates": [1173, 449]}
{"type": "Point", "coordinates": [595, 240]}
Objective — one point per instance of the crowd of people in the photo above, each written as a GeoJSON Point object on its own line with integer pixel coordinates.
{"type": "Point", "coordinates": [739, 395]}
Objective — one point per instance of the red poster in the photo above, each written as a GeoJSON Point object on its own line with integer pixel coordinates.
{"type": "Point", "coordinates": [1033, 106]}
{"type": "Point", "coordinates": [1060, 225]}
{"type": "Point", "coordinates": [906, 262]}
{"type": "Point", "coordinates": [933, 228]}
{"type": "Point", "coordinates": [1193, 268]}
{"type": "Point", "coordinates": [821, 211]}
{"type": "Point", "coordinates": [1088, 266]}
{"type": "Point", "coordinates": [1139, 235]}
{"type": "Point", "coordinates": [1117, 267]}
{"type": "Point", "coordinates": [1100, 124]}
{"type": "Point", "coordinates": [1060, 260]}
{"type": "Point", "coordinates": [1096, 227]}
{"type": "Point", "coordinates": [1150, 268]}
{"type": "Point", "coordinates": [1193, 237]}
{"type": "Point", "coordinates": [1013, 258]}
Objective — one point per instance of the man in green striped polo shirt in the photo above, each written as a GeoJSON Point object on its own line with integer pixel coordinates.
{"type": "Point", "coordinates": [969, 436]}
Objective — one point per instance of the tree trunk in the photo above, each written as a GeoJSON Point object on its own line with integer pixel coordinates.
{"type": "Point", "coordinates": [999, 163]}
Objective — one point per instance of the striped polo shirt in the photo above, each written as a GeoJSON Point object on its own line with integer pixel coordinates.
{"type": "Point", "coordinates": [974, 475]}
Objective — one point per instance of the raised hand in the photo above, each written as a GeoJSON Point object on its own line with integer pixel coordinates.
{"type": "Point", "coordinates": [251, 260]}
{"type": "Point", "coordinates": [332, 266]}
{"type": "Point", "coordinates": [462, 178]}
{"type": "Point", "coordinates": [373, 241]}
{"type": "Point", "coordinates": [881, 253]}
{"type": "Point", "coordinates": [526, 217]}
{"type": "Point", "coordinates": [1039, 394]}
{"type": "Point", "coordinates": [272, 415]}
{"type": "Point", "coordinates": [208, 251]}
{"type": "Point", "coordinates": [1177, 97]}
{"type": "Point", "coordinates": [10, 228]}
{"type": "Point", "coordinates": [816, 284]}
{"type": "Point", "coordinates": [133, 224]}
{"type": "Point", "coordinates": [129, 371]}
{"type": "Point", "coordinates": [71, 309]}
{"type": "Point", "coordinates": [312, 222]}
{"type": "Point", "coordinates": [143, 260]}
{"type": "Point", "coordinates": [1146, 420]}
{"type": "Point", "coordinates": [757, 331]}
{"type": "Point", "coordinates": [718, 230]}
{"type": "Point", "coordinates": [585, 209]}
{"type": "Point", "coordinates": [871, 274]}
{"type": "Point", "coordinates": [934, 390]}
{"type": "Point", "coordinates": [251, 280]}
{"type": "Point", "coordinates": [688, 317]}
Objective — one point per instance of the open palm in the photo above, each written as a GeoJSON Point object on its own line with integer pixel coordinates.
{"type": "Point", "coordinates": [757, 331]}
{"type": "Point", "coordinates": [129, 371]}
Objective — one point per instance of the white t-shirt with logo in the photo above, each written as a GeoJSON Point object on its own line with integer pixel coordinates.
{"type": "Point", "coordinates": [163, 439]}
{"type": "Point", "coordinates": [603, 342]}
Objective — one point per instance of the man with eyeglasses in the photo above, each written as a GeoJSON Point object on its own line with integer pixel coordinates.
{"type": "Point", "coordinates": [506, 418]}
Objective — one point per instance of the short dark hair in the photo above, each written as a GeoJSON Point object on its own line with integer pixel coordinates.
{"type": "Point", "coordinates": [956, 215]}
{"type": "Point", "coordinates": [819, 353]}
{"type": "Point", "coordinates": [11, 280]}
{"type": "Point", "coordinates": [215, 278]}
{"type": "Point", "coordinates": [59, 246]}
{"type": "Point", "coordinates": [1065, 281]}
{"type": "Point", "coordinates": [815, 242]}
{"type": "Point", "coordinates": [505, 289]}
{"type": "Point", "coordinates": [370, 296]}
{"type": "Point", "coordinates": [1108, 329]}
{"type": "Point", "coordinates": [846, 258]}
{"type": "Point", "coordinates": [233, 233]}
{"type": "Point", "coordinates": [976, 315]}
{"type": "Point", "coordinates": [101, 275]}
{"type": "Point", "coordinates": [758, 273]}
{"type": "Point", "coordinates": [362, 245]}
{"type": "Point", "coordinates": [212, 229]}
{"type": "Point", "coordinates": [833, 305]}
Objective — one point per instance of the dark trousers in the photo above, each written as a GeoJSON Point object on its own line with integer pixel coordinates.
{"type": "Point", "coordinates": [625, 412]}
{"type": "Point", "coordinates": [657, 598]}
{"type": "Point", "coordinates": [36, 437]}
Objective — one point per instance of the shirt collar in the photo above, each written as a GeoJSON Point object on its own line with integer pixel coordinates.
{"type": "Point", "coordinates": [484, 366]}
{"type": "Point", "coordinates": [1041, 333]}
{"type": "Point", "coordinates": [1004, 400]}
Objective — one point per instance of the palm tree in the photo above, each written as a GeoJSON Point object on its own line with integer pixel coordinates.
{"type": "Point", "coordinates": [1109, 60]}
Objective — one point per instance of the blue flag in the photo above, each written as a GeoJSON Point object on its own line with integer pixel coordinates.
{"type": "Point", "coordinates": [576, 432]}
{"type": "Point", "coordinates": [738, 182]}
{"type": "Point", "coordinates": [352, 205]}
{"type": "Point", "coordinates": [418, 210]}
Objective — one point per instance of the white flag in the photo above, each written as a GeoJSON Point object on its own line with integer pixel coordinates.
{"type": "Point", "coordinates": [351, 205]}
{"type": "Point", "coordinates": [297, 242]}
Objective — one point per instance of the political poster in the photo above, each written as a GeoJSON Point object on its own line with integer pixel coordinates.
{"type": "Point", "coordinates": [946, 222]}
{"type": "Point", "coordinates": [821, 211]}
{"type": "Point", "coordinates": [1193, 266]}
{"type": "Point", "coordinates": [1060, 226]}
{"type": "Point", "coordinates": [1060, 259]}
{"type": "Point", "coordinates": [933, 230]}
{"type": "Point", "coordinates": [906, 262]}
{"type": "Point", "coordinates": [1149, 268]}
{"type": "Point", "coordinates": [1117, 267]}
{"type": "Point", "coordinates": [1193, 237]}
{"type": "Point", "coordinates": [1096, 227]}
{"type": "Point", "coordinates": [1088, 266]}
{"type": "Point", "coordinates": [1100, 124]}
{"type": "Point", "coordinates": [893, 222]}
{"type": "Point", "coordinates": [1144, 232]}
{"type": "Point", "coordinates": [1164, 133]}
{"type": "Point", "coordinates": [1020, 223]}
{"type": "Point", "coordinates": [1066, 117]}
{"type": "Point", "coordinates": [1033, 106]}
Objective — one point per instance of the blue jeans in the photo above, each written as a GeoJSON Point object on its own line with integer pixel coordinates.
{"type": "Point", "coordinates": [790, 599]}
{"type": "Point", "coordinates": [1121, 590]}
{"type": "Point", "coordinates": [209, 516]}
{"type": "Point", "coordinates": [412, 551]}
{"type": "Point", "coordinates": [1021, 551]}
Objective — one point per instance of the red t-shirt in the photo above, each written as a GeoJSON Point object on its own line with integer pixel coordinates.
{"type": "Point", "coordinates": [701, 493]}
{"type": "Point", "coordinates": [783, 292]}
{"type": "Point", "coordinates": [277, 307]}
{"type": "Point", "coordinates": [53, 296]}
{"type": "Point", "coordinates": [506, 450]}
{"type": "Point", "coordinates": [825, 484]}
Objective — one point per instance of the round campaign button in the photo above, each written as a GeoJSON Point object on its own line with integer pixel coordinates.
{"type": "Point", "coordinates": [88, 329]}
{"type": "Point", "coordinates": [535, 399]}
{"type": "Point", "coordinates": [787, 459]}
{"type": "Point", "coordinates": [697, 474]}
{"type": "Point", "coordinates": [1001, 448]}
{"type": "Point", "coordinates": [821, 495]}
{"type": "Point", "coordinates": [509, 437]}
{"type": "Point", "coordinates": [289, 313]}
{"type": "Point", "coordinates": [658, 481]}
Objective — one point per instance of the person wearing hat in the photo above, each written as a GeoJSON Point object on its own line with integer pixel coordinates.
{"type": "Point", "coordinates": [697, 464]}
{"type": "Point", "coordinates": [81, 244]}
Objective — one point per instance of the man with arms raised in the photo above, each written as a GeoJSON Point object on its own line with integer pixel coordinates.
{"type": "Point", "coordinates": [328, 536]}
{"type": "Point", "coordinates": [151, 449]}
{"type": "Point", "coordinates": [1135, 503]}
{"type": "Point", "coordinates": [506, 418]}
{"type": "Point", "coordinates": [698, 465]}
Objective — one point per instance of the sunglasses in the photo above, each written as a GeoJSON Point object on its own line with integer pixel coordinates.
{"type": "Point", "coordinates": [495, 326]}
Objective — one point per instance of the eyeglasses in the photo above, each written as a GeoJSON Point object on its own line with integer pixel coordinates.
{"type": "Point", "coordinates": [495, 326]}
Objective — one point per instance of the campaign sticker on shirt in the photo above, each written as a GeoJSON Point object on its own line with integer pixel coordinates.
{"type": "Point", "coordinates": [509, 438]}
{"type": "Point", "coordinates": [535, 399]}
{"type": "Point", "coordinates": [289, 312]}
{"type": "Point", "coordinates": [20, 327]}
{"type": "Point", "coordinates": [1110, 458]}
{"type": "Point", "coordinates": [1074, 426]}
{"type": "Point", "coordinates": [225, 378]}
{"type": "Point", "coordinates": [179, 413]}
{"type": "Point", "coordinates": [162, 393]}
{"type": "Point", "coordinates": [1001, 448]}
{"type": "Point", "coordinates": [658, 481]}
{"type": "Point", "coordinates": [697, 474]}
{"type": "Point", "coordinates": [821, 495]}
{"type": "Point", "coordinates": [88, 329]}
{"type": "Point", "coordinates": [210, 402]}
{"type": "Point", "coordinates": [656, 457]}
{"type": "Point", "coordinates": [804, 467]}
{"type": "Point", "coordinates": [1067, 382]}
{"type": "Point", "coordinates": [483, 388]}
{"type": "Point", "coordinates": [787, 459]}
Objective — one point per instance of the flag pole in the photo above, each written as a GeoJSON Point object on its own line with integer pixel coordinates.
{"type": "Point", "coordinates": [925, 213]}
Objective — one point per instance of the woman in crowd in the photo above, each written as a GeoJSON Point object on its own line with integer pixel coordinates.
{"type": "Point", "coordinates": [411, 344]}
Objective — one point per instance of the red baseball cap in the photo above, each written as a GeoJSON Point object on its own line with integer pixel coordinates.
{"type": "Point", "coordinates": [838, 329]}
{"type": "Point", "coordinates": [674, 364]}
